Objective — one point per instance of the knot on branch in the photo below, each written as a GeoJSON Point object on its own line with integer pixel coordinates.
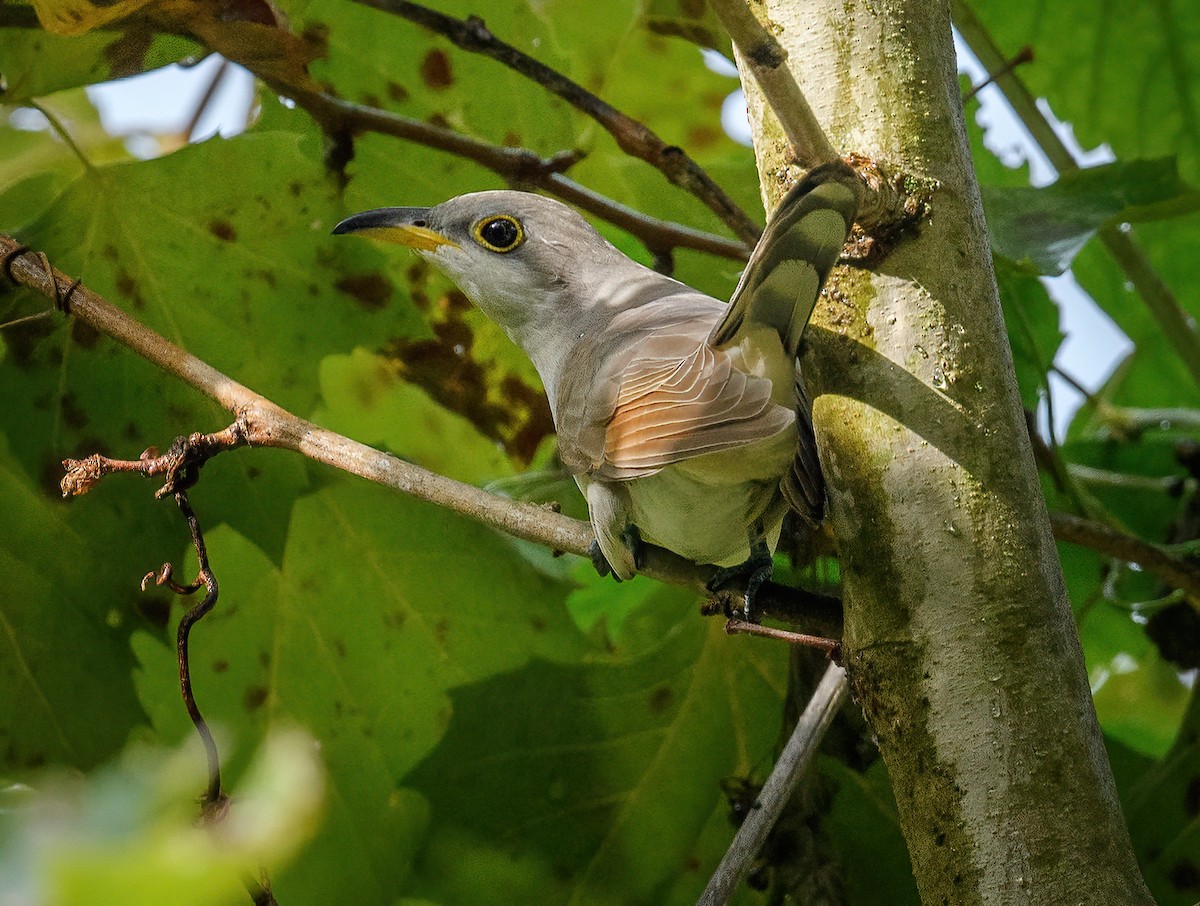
{"type": "Point", "coordinates": [891, 206]}
{"type": "Point", "coordinates": [475, 35]}
{"type": "Point", "coordinates": [530, 169]}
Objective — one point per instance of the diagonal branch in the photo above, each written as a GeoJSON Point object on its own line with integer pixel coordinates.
{"type": "Point", "coordinates": [792, 762]}
{"type": "Point", "coordinates": [261, 422]}
{"type": "Point", "coordinates": [633, 137]}
{"type": "Point", "coordinates": [759, 52]}
{"type": "Point", "coordinates": [1182, 573]}
{"type": "Point", "coordinates": [1164, 307]}
{"type": "Point", "coordinates": [518, 165]}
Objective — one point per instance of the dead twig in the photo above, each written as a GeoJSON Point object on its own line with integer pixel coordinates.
{"type": "Point", "coordinates": [214, 802]}
{"type": "Point", "coordinates": [831, 647]}
{"type": "Point", "coordinates": [181, 463]}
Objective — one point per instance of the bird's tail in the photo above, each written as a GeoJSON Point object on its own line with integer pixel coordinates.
{"type": "Point", "coordinates": [789, 265]}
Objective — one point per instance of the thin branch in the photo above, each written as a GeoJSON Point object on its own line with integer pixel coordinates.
{"type": "Point", "coordinates": [261, 422]}
{"type": "Point", "coordinates": [1173, 485]}
{"type": "Point", "coordinates": [1024, 55]}
{"type": "Point", "coordinates": [632, 136]}
{"type": "Point", "coordinates": [793, 761]}
{"type": "Point", "coordinates": [758, 50]}
{"type": "Point", "coordinates": [61, 131]}
{"type": "Point", "coordinates": [831, 647]}
{"type": "Point", "coordinates": [1164, 307]}
{"type": "Point", "coordinates": [1176, 571]}
{"type": "Point", "coordinates": [518, 165]}
{"type": "Point", "coordinates": [206, 100]}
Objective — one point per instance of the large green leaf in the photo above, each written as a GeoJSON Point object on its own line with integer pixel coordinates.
{"type": "Point", "coordinates": [1163, 810]}
{"type": "Point", "coordinates": [35, 63]}
{"type": "Point", "coordinates": [1049, 225]}
{"type": "Point", "coordinates": [1126, 76]}
{"type": "Point", "coordinates": [1032, 321]}
{"type": "Point", "coordinates": [65, 689]}
{"type": "Point", "coordinates": [364, 655]}
{"type": "Point", "coordinates": [600, 783]}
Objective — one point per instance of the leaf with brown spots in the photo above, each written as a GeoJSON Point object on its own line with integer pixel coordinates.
{"type": "Point", "coordinates": [435, 70]}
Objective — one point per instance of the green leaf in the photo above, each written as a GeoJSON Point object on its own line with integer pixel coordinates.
{"type": "Point", "coordinates": [365, 399]}
{"type": "Point", "coordinates": [65, 690]}
{"type": "Point", "coordinates": [1163, 811]}
{"type": "Point", "coordinates": [1049, 225]}
{"type": "Point", "coordinates": [128, 834]}
{"type": "Point", "coordinates": [1032, 321]}
{"type": "Point", "coordinates": [601, 780]}
{"type": "Point", "coordinates": [1125, 78]}
{"type": "Point", "coordinates": [865, 828]}
{"type": "Point", "coordinates": [381, 606]}
{"type": "Point", "coordinates": [35, 63]}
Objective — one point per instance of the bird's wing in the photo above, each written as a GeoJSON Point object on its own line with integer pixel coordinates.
{"type": "Point", "coordinates": [803, 240]}
{"type": "Point", "coordinates": [660, 396]}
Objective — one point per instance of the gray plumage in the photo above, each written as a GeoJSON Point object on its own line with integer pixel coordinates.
{"type": "Point", "coordinates": [678, 414]}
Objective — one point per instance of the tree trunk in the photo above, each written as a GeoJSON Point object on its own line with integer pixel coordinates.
{"type": "Point", "coordinates": [962, 648]}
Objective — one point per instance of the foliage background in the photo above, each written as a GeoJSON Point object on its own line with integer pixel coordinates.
{"type": "Point", "coordinates": [492, 725]}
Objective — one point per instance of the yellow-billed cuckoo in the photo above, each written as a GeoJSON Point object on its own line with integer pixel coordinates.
{"type": "Point", "coordinates": [683, 419]}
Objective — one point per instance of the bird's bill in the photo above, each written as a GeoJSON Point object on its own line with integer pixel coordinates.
{"type": "Point", "coordinates": [404, 226]}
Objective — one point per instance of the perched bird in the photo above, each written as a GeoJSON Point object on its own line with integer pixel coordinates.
{"type": "Point", "coordinates": [683, 419]}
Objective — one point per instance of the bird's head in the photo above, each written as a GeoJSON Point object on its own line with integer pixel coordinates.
{"type": "Point", "coordinates": [514, 254]}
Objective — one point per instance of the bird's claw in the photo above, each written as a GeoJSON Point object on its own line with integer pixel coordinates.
{"type": "Point", "coordinates": [757, 569]}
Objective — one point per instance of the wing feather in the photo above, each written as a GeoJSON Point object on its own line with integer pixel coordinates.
{"type": "Point", "coordinates": [650, 391]}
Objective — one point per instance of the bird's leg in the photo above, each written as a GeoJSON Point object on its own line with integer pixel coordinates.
{"type": "Point", "coordinates": [757, 568]}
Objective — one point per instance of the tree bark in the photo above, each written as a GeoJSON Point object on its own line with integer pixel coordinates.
{"type": "Point", "coordinates": [961, 645]}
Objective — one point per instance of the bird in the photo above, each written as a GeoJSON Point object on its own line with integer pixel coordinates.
{"type": "Point", "coordinates": [683, 419]}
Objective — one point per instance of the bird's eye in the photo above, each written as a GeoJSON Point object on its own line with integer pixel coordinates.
{"type": "Point", "coordinates": [501, 233]}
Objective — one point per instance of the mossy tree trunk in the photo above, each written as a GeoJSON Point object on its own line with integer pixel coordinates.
{"type": "Point", "coordinates": [961, 646]}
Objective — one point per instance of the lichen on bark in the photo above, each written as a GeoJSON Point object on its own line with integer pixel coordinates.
{"type": "Point", "coordinates": [960, 641]}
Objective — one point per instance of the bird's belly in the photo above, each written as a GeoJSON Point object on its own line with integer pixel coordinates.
{"type": "Point", "coordinates": [702, 508]}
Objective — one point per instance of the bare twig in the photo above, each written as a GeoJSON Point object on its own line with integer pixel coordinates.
{"type": "Point", "coordinates": [1177, 571]}
{"type": "Point", "coordinates": [520, 166]}
{"type": "Point", "coordinates": [214, 801]}
{"type": "Point", "coordinates": [793, 761]}
{"type": "Point", "coordinates": [831, 647]}
{"type": "Point", "coordinates": [1157, 296]}
{"type": "Point", "coordinates": [1024, 55]}
{"type": "Point", "coordinates": [758, 50]}
{"type": "Point", "coordinates": [214, 804]}
{"type": "Point", "coordinates": [632, 136]}
{"type": "Point", "coordinates": [205, 101]}
{"type": "Point", "coordinates": [260, 422]}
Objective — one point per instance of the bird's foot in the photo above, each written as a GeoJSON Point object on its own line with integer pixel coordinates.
{"type": "Point", "coordinates": [631, 538]}
{"type": "Point", "coordinates": [757, 569]}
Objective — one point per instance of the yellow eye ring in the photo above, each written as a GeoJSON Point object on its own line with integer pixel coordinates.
{"type": "Point", "coordinates": [499, 233]}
